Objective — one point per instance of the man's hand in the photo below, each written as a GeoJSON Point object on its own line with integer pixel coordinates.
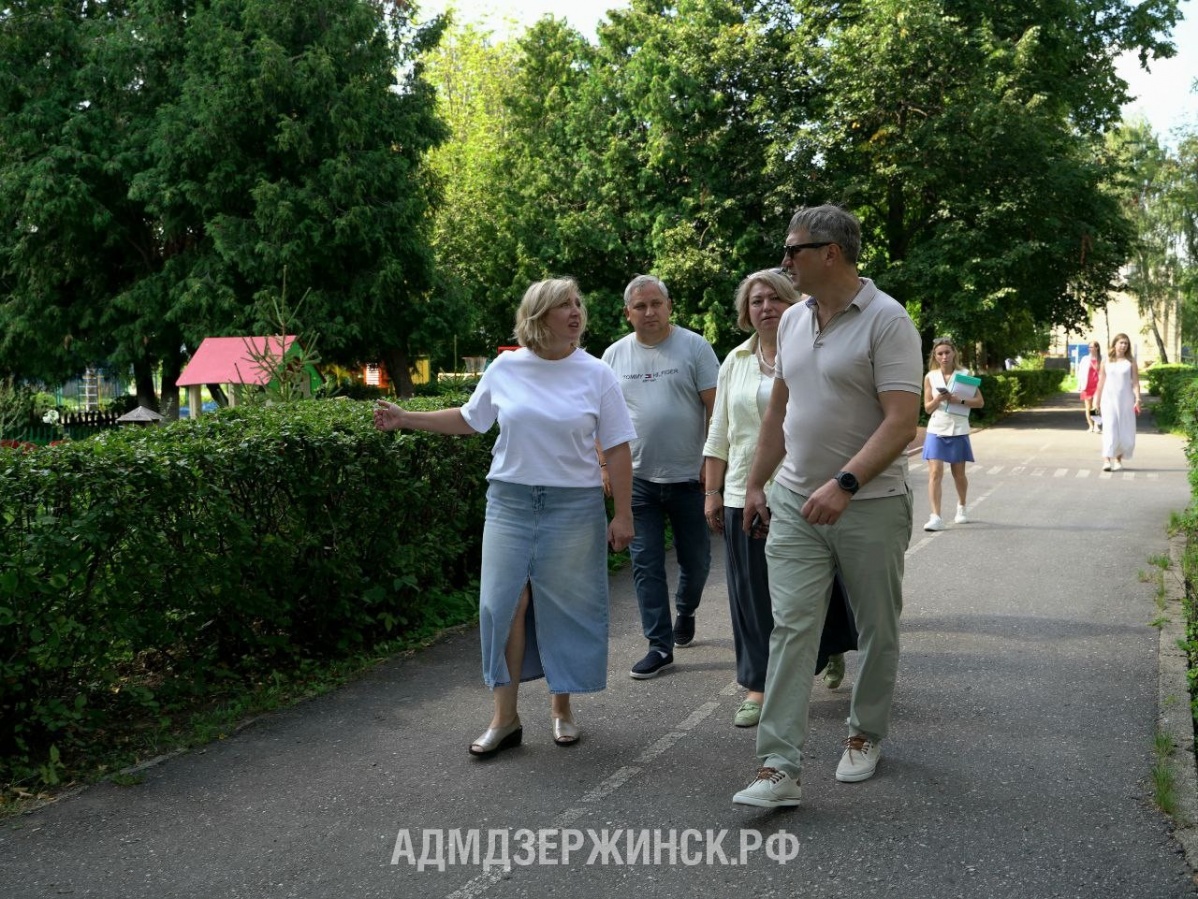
{"type": "Point", "coordinates": [826, 505]}
{"type": "Point", "coordinates": [755, 508]}
{"type": "Point", "coordinates": [620, 532]}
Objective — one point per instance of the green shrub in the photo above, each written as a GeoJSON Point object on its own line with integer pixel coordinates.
{"type": "Point", "coordinates": [1155, 377]}
{"type": "Point", "coordinates": [1171, 383]}
{"type": "Point", "coordinates": [150, 565]}
{"type": "Point", "coordinates": [354, 390]}
{"type": "Point", "coordinates": [1187, 421]}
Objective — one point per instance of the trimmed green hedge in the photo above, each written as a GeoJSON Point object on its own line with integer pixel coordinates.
{"type": "Point", "coordinates": [1171, 383]}
{"type": "Point", "coordinates": [149, 565]}
{"type": "Point", "coordinates": [1156, 378]}
{"type": "Point", "coordinates": [1186, 409]}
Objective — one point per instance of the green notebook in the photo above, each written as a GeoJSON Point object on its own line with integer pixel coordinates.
{"type": "Point", "coordinates": [962, 385]}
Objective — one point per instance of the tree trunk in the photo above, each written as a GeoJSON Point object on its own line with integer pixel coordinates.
{"type": "Point", "coordinates": [172, 367]}
{"type": "Point", "coordinates": [399, 370]}
{"type": "Point", "coordinates": [143, 380]}
{"type": "Point", "coordinates": [1156, 335]}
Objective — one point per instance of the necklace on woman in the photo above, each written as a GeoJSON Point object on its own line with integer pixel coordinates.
{"type": "Point", "coordinates": [766, 367]}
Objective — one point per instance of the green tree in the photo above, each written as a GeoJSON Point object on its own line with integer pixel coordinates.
{"type": "Point", "coordinates": [1160, 198]}
{"type": "Point", "coordinates": [967, 135]}
{"type": "Point", "coordinates": [1186, 188]}
{"type": "Point", "coordinates": [292, 146]}
{"type": "Point", "coordinates": [652, 151]}
{"type": "Point", "coordinates": [471, 73]}
{"type": "Point", "coordinates": [77, 97]}
{"type": "Point", "coordinates": [706, 99]}
{"type": "Point", "coordinates": [165, 160]}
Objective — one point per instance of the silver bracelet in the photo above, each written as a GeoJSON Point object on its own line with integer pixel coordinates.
{"type": "Point", "coordinates": [710, 492]}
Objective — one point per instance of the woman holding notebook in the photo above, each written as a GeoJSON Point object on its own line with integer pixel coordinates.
{"type": "Point", "coordinates": [948, 395]}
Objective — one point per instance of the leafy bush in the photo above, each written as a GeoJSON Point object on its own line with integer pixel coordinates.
{"type": "Point", "coordinates": [1186, 407]}
{"type": "Point", "coordinates": [150, 565]}
{"type": "Point", "coordinates": [1158, 376]}
{"type": "Point", "coordinates": [1171, 383]}
{"type": "Point", "coordinates": [355, 390]}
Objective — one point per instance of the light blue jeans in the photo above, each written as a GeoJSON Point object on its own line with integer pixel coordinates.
{"type": "Point", "coordinates": [682, 504]}
{"type": "Point", "coordinates": [554, 539]}
{"type": "Point", "coordinates": [868, 544]}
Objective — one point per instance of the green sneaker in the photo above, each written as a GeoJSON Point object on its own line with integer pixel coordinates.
{"type": "Point", "coordinates": [748, 714]}
{"type": "Point", "coordinates": [834, 672]}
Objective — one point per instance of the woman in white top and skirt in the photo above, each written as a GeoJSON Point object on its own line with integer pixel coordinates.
{"type": "Point", "coordinates": [947, 438]}
{"type": "Point", "coordinates": [543, 606]}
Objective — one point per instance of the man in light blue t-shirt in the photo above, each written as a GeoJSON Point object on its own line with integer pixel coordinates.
{"type": "Point", "coordinates": [668, 375]}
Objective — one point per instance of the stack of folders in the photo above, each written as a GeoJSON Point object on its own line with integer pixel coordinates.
{"type": "Point", "coordinates": [963, 385]}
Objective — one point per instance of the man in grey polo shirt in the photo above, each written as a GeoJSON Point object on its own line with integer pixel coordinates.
{"type": "Point", "coordinates": [844, 405]}
{"type": "Point", "coordinates": [668, 375]}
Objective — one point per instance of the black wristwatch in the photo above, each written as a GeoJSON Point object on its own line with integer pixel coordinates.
{"type": "Point", "coordinates": [847, 481]}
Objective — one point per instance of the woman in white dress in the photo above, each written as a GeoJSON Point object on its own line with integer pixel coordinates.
{"type": "Point", "coordinates": [1119, 400]}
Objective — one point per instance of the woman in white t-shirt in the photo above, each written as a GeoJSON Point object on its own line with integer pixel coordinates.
{"type": "Point", "coordinates": [947, 438]}
{"type": "Point", "coordinates": [543, 605]}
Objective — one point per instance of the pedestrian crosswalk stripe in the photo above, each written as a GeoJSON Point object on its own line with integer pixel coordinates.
{"type": "Point", "coordinates": [974, 469]}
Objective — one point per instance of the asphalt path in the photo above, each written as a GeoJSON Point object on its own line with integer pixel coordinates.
{"type": "Point", "coordinates": [1018, 763]}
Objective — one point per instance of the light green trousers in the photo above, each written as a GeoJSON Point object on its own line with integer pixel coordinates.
{"type": "Point", "coordinates": [868, 545]}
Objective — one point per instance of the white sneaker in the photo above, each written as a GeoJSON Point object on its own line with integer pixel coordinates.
{"type": "Point", "coordinates": [860, 759]}
{"type": "Point", "coordinates": [771, 789]}
{"type": "Point", "coordinates": [935, 523]}
{"type": "Point", "coordinates": [1118, 466]}
{"type": "Point", "coordinates": [961, 518]}
{"type": "Point", "coordinates": [1106, 466]}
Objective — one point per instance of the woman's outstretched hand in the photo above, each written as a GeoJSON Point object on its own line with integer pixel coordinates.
{"type": "Point", "coordinates": [388, 416]}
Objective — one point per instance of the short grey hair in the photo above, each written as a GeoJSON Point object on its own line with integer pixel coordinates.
{"type": "Point", "coordinates": [644, 281]}
{"type": "Point", "coordinates": [833, 224]}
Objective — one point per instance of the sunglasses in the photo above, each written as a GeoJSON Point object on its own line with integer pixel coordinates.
{"type": "Point", "coordinates": [941, 341]}
{"type": "Point", "coordinates": [791, 248]}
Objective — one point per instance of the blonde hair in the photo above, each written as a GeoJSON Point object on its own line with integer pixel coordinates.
{"type": "Point", "coordinates": [936, 344]}
{"type": "Point", "coordinates": [779, 282]}
{"type": "Point", "coordinates": [531, 330]}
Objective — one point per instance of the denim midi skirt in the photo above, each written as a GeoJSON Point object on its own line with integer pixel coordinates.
{"type": "Point", "coordinates": [554, 539]}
